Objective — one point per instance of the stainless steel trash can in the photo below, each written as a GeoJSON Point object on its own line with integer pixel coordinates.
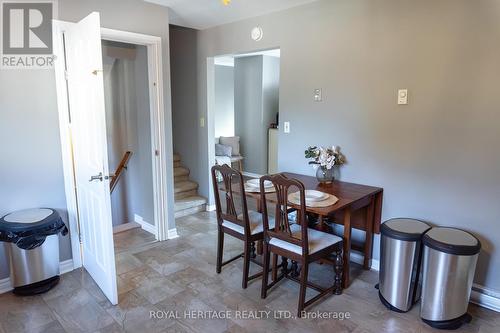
{"type": "Point", "coordinates": [450, 257]}
{"type": "Point", "coordinates": [31, 240]}
{"type": "Point", "coordinates": [400, 256]}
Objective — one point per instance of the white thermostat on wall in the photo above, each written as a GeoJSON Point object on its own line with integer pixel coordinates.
{"type": "Point", "coordinates": [257, 34]}
{"type": "Point", "coordinates": [403, 96]}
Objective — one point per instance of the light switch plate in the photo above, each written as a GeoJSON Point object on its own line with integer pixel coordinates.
{"type": "Point", "coordinates": [202, 121]}
{"type": "Point", "coordinates": [402, 96]}
{"type": "Point", "coordinates": [318, 95]}
{"type": "Point", "coordinates": [286, 127]}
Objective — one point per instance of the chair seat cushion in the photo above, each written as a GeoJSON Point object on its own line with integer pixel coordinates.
{"type": "Point", "coordinates": [256, 225]}
{"type": "Point", "coordinates": [318, 240]}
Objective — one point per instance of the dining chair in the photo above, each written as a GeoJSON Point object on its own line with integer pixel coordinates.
{"type": "Point", "coordinates": [245, 225]}
{"type": "Point", "coordinates": [297, 242]}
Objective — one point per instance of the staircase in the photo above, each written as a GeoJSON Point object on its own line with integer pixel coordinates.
{"type": "Point", "coordinates": [187, 200]}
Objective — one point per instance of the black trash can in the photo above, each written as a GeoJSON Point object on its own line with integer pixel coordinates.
{"type": "Point", "coordinates": [32, 243]}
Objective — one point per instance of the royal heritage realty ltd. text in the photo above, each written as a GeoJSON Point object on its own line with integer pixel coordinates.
{"type": "Point", "coordinates": [246, 314]}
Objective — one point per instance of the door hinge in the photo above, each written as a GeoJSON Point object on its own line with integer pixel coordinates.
{"type": "Point", "coordinates": [157, 152]}
{"type": "Point", "coordinates": [66, 75]}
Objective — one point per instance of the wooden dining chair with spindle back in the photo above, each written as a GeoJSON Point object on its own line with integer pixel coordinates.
{"type": "Point", "coordinates": [245, 225]}
{"type": "Point", "coordinates": [297, 242]}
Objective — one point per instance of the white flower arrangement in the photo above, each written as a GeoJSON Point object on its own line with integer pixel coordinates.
{"type": "Point", "coordinates": [325, 157]}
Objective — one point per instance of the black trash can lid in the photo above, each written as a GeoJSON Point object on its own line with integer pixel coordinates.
{"type": "Point", "coordinates": [452, 241]}
{"type": "Point", "coordinates": [405, 229]}
{"type": "Point", "coordinates": [29, 219]}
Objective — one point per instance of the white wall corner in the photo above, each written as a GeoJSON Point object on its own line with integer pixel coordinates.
{"type": "Point", "coordinates": [145, 225]}
{"type": "Point", "coordinates": [210, 208]}
{"type": "Point", "coordinates": [172, 233]}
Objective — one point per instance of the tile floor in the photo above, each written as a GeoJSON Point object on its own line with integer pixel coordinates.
{"type": "Point", "coordinates": [179, 275]}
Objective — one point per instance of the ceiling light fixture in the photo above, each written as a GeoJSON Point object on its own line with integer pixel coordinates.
{"type": "Point", "coordinates": [226, 2]}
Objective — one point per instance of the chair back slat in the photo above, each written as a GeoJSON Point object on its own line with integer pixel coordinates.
{"type": "Point", "coordinates": [283, 186]}
{"type": "Point", "coordinates": [233, 184]}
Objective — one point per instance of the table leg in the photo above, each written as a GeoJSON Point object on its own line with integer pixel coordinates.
{"type": "Point", "coordinates": [347, 247]}
{"type": "Point", "coordinates": [369, 234]}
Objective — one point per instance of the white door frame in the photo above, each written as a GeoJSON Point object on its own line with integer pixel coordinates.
{"type": "Point", "coordinates": [210, 121]}
{"type": "Point", "coordinates": [157, 118]}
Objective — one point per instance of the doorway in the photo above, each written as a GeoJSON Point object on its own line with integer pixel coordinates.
{"type": "Point", "coordinates": [128, 129]}
{"type": "Point", "coordinates": [88, 174]}
{"type": "Point", "coordinates": [243, 111]}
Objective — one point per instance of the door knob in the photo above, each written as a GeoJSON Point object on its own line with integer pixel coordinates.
{"type": "Point", "coordinates": [97, 177]}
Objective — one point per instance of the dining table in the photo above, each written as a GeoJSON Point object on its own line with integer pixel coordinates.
{"type": "Point", "coordinates": [358, 207]}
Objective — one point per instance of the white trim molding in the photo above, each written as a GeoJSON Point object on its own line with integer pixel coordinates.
{"type": "Point", "coordinates": [485, 297]}
{"type": "Point", "coordinates": [145, 225]}
{"type": "Point", "coordinates": [172, 233]}
{"type": "Point", "coordinates": [65, 266]}
{"type": "Point", "coordinates": [158, 135]}
{"type": "Point", "coordinates": [358, 259]}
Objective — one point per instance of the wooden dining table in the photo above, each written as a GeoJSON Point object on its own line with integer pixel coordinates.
{"type": "Point", "coordinates": [359, 207]}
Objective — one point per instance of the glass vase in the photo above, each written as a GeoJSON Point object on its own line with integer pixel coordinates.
{"type": "Point", "coordinates": [324, 175]}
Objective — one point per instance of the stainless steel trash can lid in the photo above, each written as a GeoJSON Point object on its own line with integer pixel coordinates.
{"type": "Point", "coordinates": [405, 229]}
{"type": "Point", "coordinates": [452, 241]}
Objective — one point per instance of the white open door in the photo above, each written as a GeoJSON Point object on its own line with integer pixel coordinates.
{"type": "Point", "coordinates": [88, 124]}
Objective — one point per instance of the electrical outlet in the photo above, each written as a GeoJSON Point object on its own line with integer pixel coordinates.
{"type": "Point", "coordinates": [286, 127]}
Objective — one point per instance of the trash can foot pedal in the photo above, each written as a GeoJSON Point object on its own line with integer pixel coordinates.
{"type": "Point", "coordinates": [38, 287]}
{"type": "Point", "coordinates": [451, 324]}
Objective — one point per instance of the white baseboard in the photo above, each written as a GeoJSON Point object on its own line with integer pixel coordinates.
{"type": "Point", "coordinates": [125, 226]}
{"type": "Point", "coordinates": [210, 208]}
{"type": "Point", "coordinates": [5, 285]}
{"type": "Point", "coordinates": [485, 297]}
{"type": "Point", "coordinates": [358, 259]}
{"type": "Point", "coordinates": [64, 267]}
{"type": "Point", "coordinates": [172, 233]}
{"type": "Point", "coordinates": [145, 225]}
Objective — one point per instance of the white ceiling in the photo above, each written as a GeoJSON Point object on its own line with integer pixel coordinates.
{"type": "Point", "coordinates": [202, 14]}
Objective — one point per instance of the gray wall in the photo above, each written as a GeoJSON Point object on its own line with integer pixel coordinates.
{"type": "Point", "coordinates": [30, 153]}
{"type": "Point", "coordinates": [248, 110]}
{"type": "Point", "coordinates": [256, 87]}
{"type": "Point", "coordinates": [224, 101]}
{"type": "Point", "coordinates": [437, 158]}
{"type": "Point", "coordinates": [128, 129]}
{"type": "Point", "coordinates": [183, 52]}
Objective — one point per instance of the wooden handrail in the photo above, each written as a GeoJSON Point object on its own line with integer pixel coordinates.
{"type": "Point", "coordinates": [123, 165]}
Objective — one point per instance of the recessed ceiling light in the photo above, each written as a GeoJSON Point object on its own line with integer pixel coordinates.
{"type": "Point", "coordinates": [226, 2]}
